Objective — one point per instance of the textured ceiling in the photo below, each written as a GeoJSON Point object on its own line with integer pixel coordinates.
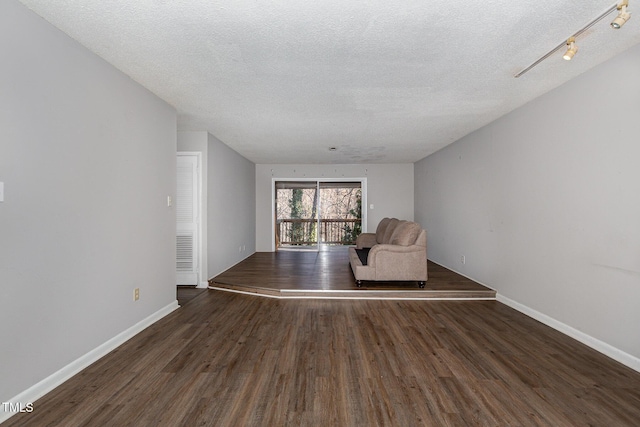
{"type": "Point", "coordinates": [383, 81]}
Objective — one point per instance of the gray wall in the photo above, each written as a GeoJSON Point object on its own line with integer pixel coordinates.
{"type": "Point", "coordinates": [231, 200]}
{"type": "Point", "coordinates": [544, 203]}
{"type": "Point", "coordinates": [88, 160]}
{"type": "Point", "coordinates": [389, 189]}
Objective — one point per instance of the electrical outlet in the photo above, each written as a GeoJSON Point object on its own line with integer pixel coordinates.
{"type": "Point", "coordinates": [463, 259]}
{"type": "Point", "coordinates": [136, 294]}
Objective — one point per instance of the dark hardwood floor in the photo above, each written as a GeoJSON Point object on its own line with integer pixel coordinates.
{"type": "Point", "coordinates": [229, 359]}
{"type": "Point", "coordinates": [323, 274]}
{"type": "Point", "coordinates": [185, 294]}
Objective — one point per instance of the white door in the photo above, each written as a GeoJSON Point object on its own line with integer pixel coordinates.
{"type": "Point", "coordinates": [187, 209]}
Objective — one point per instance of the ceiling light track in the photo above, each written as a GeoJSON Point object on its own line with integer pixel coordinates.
{"type": "Point", "coordinates": [572, 48]}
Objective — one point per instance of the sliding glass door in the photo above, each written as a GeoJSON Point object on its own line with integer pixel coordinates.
{"type": "Point", "coordinates": [312, 214]}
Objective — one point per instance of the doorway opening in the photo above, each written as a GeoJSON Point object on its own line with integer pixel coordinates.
{"type": "Point", "coordinates": [314, 215]}
{"type": "Point", "coordinates": [188, 219]}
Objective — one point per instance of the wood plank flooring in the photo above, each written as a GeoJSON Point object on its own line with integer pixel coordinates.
{"type": "Point", "coordinates": [185, 294]}
{"type": "Point", "coordinates": [228, 359]}
{"type": "Point", "coordinates": [327, 274]}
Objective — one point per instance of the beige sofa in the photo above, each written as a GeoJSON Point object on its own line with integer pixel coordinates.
{"type": "Point", "coordinates": [397, 251]}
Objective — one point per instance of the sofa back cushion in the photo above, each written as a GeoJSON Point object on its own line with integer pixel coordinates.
{"type": "Point", "coordinates": [382, 227]}
{"type": "Point", "coordinates": [405, 233]}
{"type": "Point", "coordinates": [393, 223]}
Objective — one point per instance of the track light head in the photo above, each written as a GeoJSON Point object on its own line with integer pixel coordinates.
{"type": "Point", "coordinates": [620, 20]}
{"type": "Point", "coordinates": [623, 15]}
{"type": "Point", "coordinates": [572, 49]}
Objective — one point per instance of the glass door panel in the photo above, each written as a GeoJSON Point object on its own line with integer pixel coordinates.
{"type": "Point", "coordinates": [296, 207]}
{"type": "Point", "coordinates": [340, 219]}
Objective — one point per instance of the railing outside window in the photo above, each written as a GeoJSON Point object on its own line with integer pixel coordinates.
{"type": "Point", "coordinates": [304, 232]}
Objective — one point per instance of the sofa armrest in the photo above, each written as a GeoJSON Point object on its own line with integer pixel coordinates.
{"type": "Point", "coordinates": [396, 262]}
{"type": "Point", "coordinates": [366, 240]}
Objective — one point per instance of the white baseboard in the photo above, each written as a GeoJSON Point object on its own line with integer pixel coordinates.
{"type": "Point", "coordinates": [38, 390]}
{"type": "Point", "coordinates": [203, 285]}
{"type": "Point", "coordinates": [604, 348]}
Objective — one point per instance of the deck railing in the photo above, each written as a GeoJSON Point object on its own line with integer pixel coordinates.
{"type": "Point", "coordinates": [304, 232]}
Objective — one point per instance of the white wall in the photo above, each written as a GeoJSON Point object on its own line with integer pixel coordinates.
{"type": "Point", "coordinates": [231, 208]}
{"type": "Point", "coordinates": [545, 205]}
{"type": "Point", "coordinates": [389, 189]}
{"type": "Point", "coordinates": [88, 160]}
{"type": "Point", "coordinates": [198, 142]}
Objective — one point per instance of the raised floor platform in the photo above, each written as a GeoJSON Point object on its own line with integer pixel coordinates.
{"type": "Point", "coordinates": [327, 274]}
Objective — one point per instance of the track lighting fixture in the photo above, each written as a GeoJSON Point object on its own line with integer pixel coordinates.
{"type": "Point", "coordinates": [623, 15]}
{"type": "Point", "coordinates": [571, 50]}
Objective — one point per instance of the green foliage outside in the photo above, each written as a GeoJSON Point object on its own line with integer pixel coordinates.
{"type": "Point", "coordinates": [351, 233]}
{"type": "Point", "coordinates": [299, 210]}
{"type": "Point", "coordinates": [295, 203]}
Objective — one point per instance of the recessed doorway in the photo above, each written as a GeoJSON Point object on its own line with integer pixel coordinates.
{"type": "Point", "coordinates": [188, 225]}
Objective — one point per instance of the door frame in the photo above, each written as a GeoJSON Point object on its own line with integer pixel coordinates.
{"type": "Point", "coordinates": [363, 188]}
{"type": "Point", "coordinates": [201, 244]}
